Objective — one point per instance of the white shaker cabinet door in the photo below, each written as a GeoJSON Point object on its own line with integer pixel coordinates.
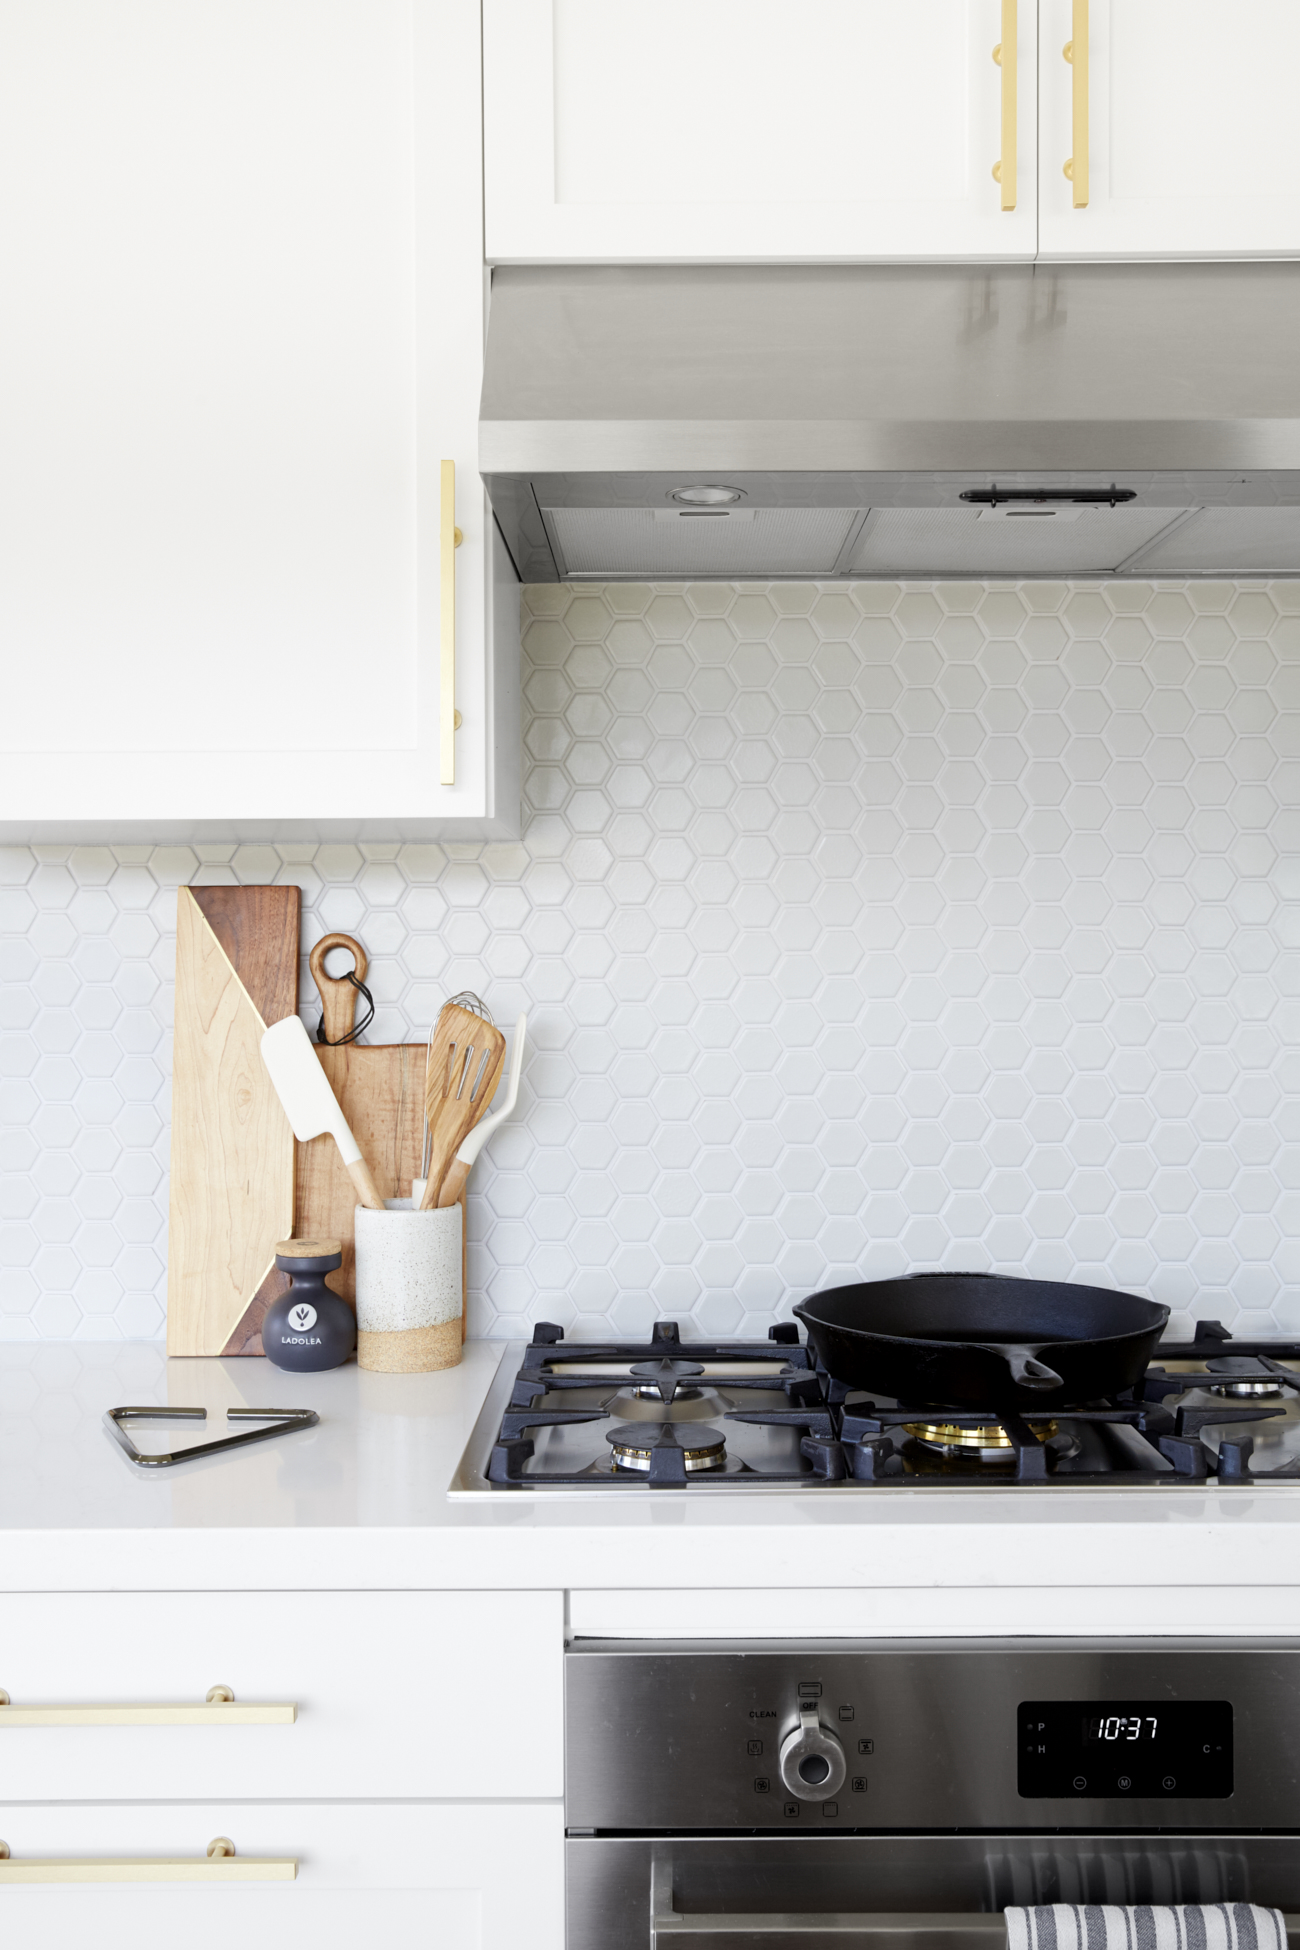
{"type": "Point", "coordinates": [1188, 129]}
{"type": "Point", "coordinates": [242, 329]}
{"type": "Point", "coordinates": [404, 1875]}
{"type": "Point", "coordinates": [679, 129]}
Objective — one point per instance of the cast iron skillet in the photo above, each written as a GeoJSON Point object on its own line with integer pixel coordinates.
{"type": "Point", "coordinates": [979, 1340]}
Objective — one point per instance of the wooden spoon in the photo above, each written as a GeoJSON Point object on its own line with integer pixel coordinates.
{"type": "Point", "coordinates": [465, 1058]}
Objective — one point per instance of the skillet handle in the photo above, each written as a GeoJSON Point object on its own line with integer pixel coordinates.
{"type": "Point", "coordinates": [1027, 1371]}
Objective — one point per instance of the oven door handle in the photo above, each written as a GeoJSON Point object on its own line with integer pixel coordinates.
{"type": "Point", "coordinates": [674, 1929]}
{"type": "Point", "coordinates": [820, 1930]}
{"type": "Point", "coordinates": [906, 1929]}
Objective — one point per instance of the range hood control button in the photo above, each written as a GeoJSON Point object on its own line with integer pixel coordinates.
{"type": "Point", "coordinates": [812, 1760]}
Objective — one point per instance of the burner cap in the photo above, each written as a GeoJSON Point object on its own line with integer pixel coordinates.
{"type": "Point", "coordinates": [989, 1441]}
{"type": "Point", "coordinates": [1242, 1375]}
{"type": "Point", "coordinates": [634, 1443]}
{"type": "Point", "coordinates": [664, 1377]}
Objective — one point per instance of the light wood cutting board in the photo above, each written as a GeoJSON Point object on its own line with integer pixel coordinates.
{"type": "Point", "coordinates": [232, 1151]}
{"type": "Point", "coordinates": [381, 1089]}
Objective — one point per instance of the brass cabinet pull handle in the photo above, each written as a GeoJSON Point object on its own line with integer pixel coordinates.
{"type": "Point", "coordinates": [1076, 53]}
{"type": "Point", "coordinates": [450, 539]}
{"type": "Point", "coordinates": [220, 1864]}
{"type": "Point", "coordinates": [219, 1709]}
{"type": "Point", "coordinates": [1004, 170]}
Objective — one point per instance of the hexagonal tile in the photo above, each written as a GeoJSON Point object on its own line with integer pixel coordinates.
{"type": "Point", "coordinates": [861, 926]}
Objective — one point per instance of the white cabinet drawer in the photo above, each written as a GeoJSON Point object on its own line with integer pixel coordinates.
{"type": "Point", "coordinates": [399, 1694]}
{"type": "Point", "coordinates": [460, 1878]}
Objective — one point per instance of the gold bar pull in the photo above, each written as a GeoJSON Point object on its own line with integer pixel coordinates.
{"type": "Point", "coordinates": [219, 1709]}
{"type": "Point", "coordinates": [1004, 170]}
{"type": "Point", "coordinates": [450, 539]}
{"type": "Point", "coordinates": [220, 1864]}
{"type": "Point", "coordinates": [1076, 53]}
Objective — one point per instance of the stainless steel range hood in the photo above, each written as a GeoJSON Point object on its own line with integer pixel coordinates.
{"type": "Point", "coordinates": [681, 423]}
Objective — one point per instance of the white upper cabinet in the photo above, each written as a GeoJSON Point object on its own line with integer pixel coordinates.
{"type": "Point", "coordinates": [626, 130]}
{"type": "Point", "coordinates": [1187, 121]}
{"type": "Point", "coordinates": [242, 330]}
{"type": "Point", "coordinates": [696, 129]}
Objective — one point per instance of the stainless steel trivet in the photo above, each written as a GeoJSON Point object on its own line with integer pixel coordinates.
{"type": "Point", "coordinates": [283, 1420]}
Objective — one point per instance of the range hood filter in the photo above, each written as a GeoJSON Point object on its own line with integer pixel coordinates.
{"type": "Point", "coordinates": [972, 541]}
{"type": "Point", "coordinates": [669, 543]}
{"type": "Point", "coordinates": [1257, 542]}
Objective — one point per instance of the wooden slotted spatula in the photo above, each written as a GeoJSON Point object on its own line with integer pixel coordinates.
{"type": "Point", "coordinates": [465, 1057]}
{"type": "Point", "coordinates": [459, 1169]}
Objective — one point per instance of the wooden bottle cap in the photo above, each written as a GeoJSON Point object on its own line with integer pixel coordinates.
{"type": "Point", "coordinates": [309, 1248]}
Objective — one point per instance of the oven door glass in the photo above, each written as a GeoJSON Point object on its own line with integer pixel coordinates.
{"type": "Point", "coordinates": [894, 1892]}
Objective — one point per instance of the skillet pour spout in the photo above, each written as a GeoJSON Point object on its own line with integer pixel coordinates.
{"type": "Point", "coordinates": [983, 1340]}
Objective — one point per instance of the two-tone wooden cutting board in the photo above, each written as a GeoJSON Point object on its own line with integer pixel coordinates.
{"type": "Point", "coordinates": [232, 1151]}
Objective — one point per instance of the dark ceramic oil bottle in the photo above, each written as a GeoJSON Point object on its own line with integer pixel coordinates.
{"type": "Point", "coordinates": [309, 1327]}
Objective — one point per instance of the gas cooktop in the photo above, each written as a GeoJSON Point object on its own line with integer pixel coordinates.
{"type": "Point", "coordinates": [739, 1416]}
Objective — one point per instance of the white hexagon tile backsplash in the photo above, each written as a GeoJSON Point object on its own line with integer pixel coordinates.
{"type": "Point", "coordinates": [862, 929]}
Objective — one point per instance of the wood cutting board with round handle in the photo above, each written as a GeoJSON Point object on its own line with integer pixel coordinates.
{"type": "Point", "coordinates": [338, 993]}
{"type": "Point", "coordinates": [380, 1087]}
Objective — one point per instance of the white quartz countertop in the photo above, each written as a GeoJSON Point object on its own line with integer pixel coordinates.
{"type": "Point", "coordinates": [360, 1502]}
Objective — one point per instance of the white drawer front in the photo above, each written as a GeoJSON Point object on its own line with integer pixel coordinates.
{"type": "Point", "coordinates": [455, 1878]}
{"type": "Point", "coordinates": [401, 1695]}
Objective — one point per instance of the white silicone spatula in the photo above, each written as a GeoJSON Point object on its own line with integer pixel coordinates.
{"type": "Point", "coordinates": [309, 1103]}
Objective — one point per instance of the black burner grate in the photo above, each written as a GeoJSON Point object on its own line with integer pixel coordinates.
{"type": "Point", "coordinates": [843, 1438]}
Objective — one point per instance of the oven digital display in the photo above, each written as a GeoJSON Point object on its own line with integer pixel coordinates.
{"type": "Point", "coordinates": [1161, 1750]}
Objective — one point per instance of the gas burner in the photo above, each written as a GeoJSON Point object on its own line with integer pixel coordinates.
{"type": "Point", "coordinates": [1242, 1377]}
{"type": "Point", "coordinates": [634, 1448]}
{"type": "Point", "coordinates": [686, 1405]}
{"type": "Point", "coordinates": [988, 1441]}
{"type": "Point", "coordinates": [662, 1380]}
{"type": "Point", "coordinates": [625, 1417]}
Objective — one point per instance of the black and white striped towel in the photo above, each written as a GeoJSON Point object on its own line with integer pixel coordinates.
{"type": "Point", "coordinates": [1146, 1926]}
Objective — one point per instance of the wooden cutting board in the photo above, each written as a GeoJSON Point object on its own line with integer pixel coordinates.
{"type": "Point", "coordinates": [232, 1151]}
{"type": "Point", "coordinates": [381, 1089]}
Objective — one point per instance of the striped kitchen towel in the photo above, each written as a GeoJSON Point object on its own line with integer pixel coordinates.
{"type": "Point", "coordinates": [1146, 1926]}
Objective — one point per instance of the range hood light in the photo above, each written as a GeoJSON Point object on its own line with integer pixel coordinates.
{"type": "Point", "coordinates": [708, 497]}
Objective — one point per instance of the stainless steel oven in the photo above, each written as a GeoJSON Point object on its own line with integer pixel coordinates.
{"type": "Point", "coordinates": [900, 1796]}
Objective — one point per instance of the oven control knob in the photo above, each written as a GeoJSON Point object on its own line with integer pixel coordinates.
{"type": "Point", "coordinates": [812, 1760]}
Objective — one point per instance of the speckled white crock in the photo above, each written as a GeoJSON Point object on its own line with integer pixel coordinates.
{"type": "Point", "coordinates": [408, 1267]}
